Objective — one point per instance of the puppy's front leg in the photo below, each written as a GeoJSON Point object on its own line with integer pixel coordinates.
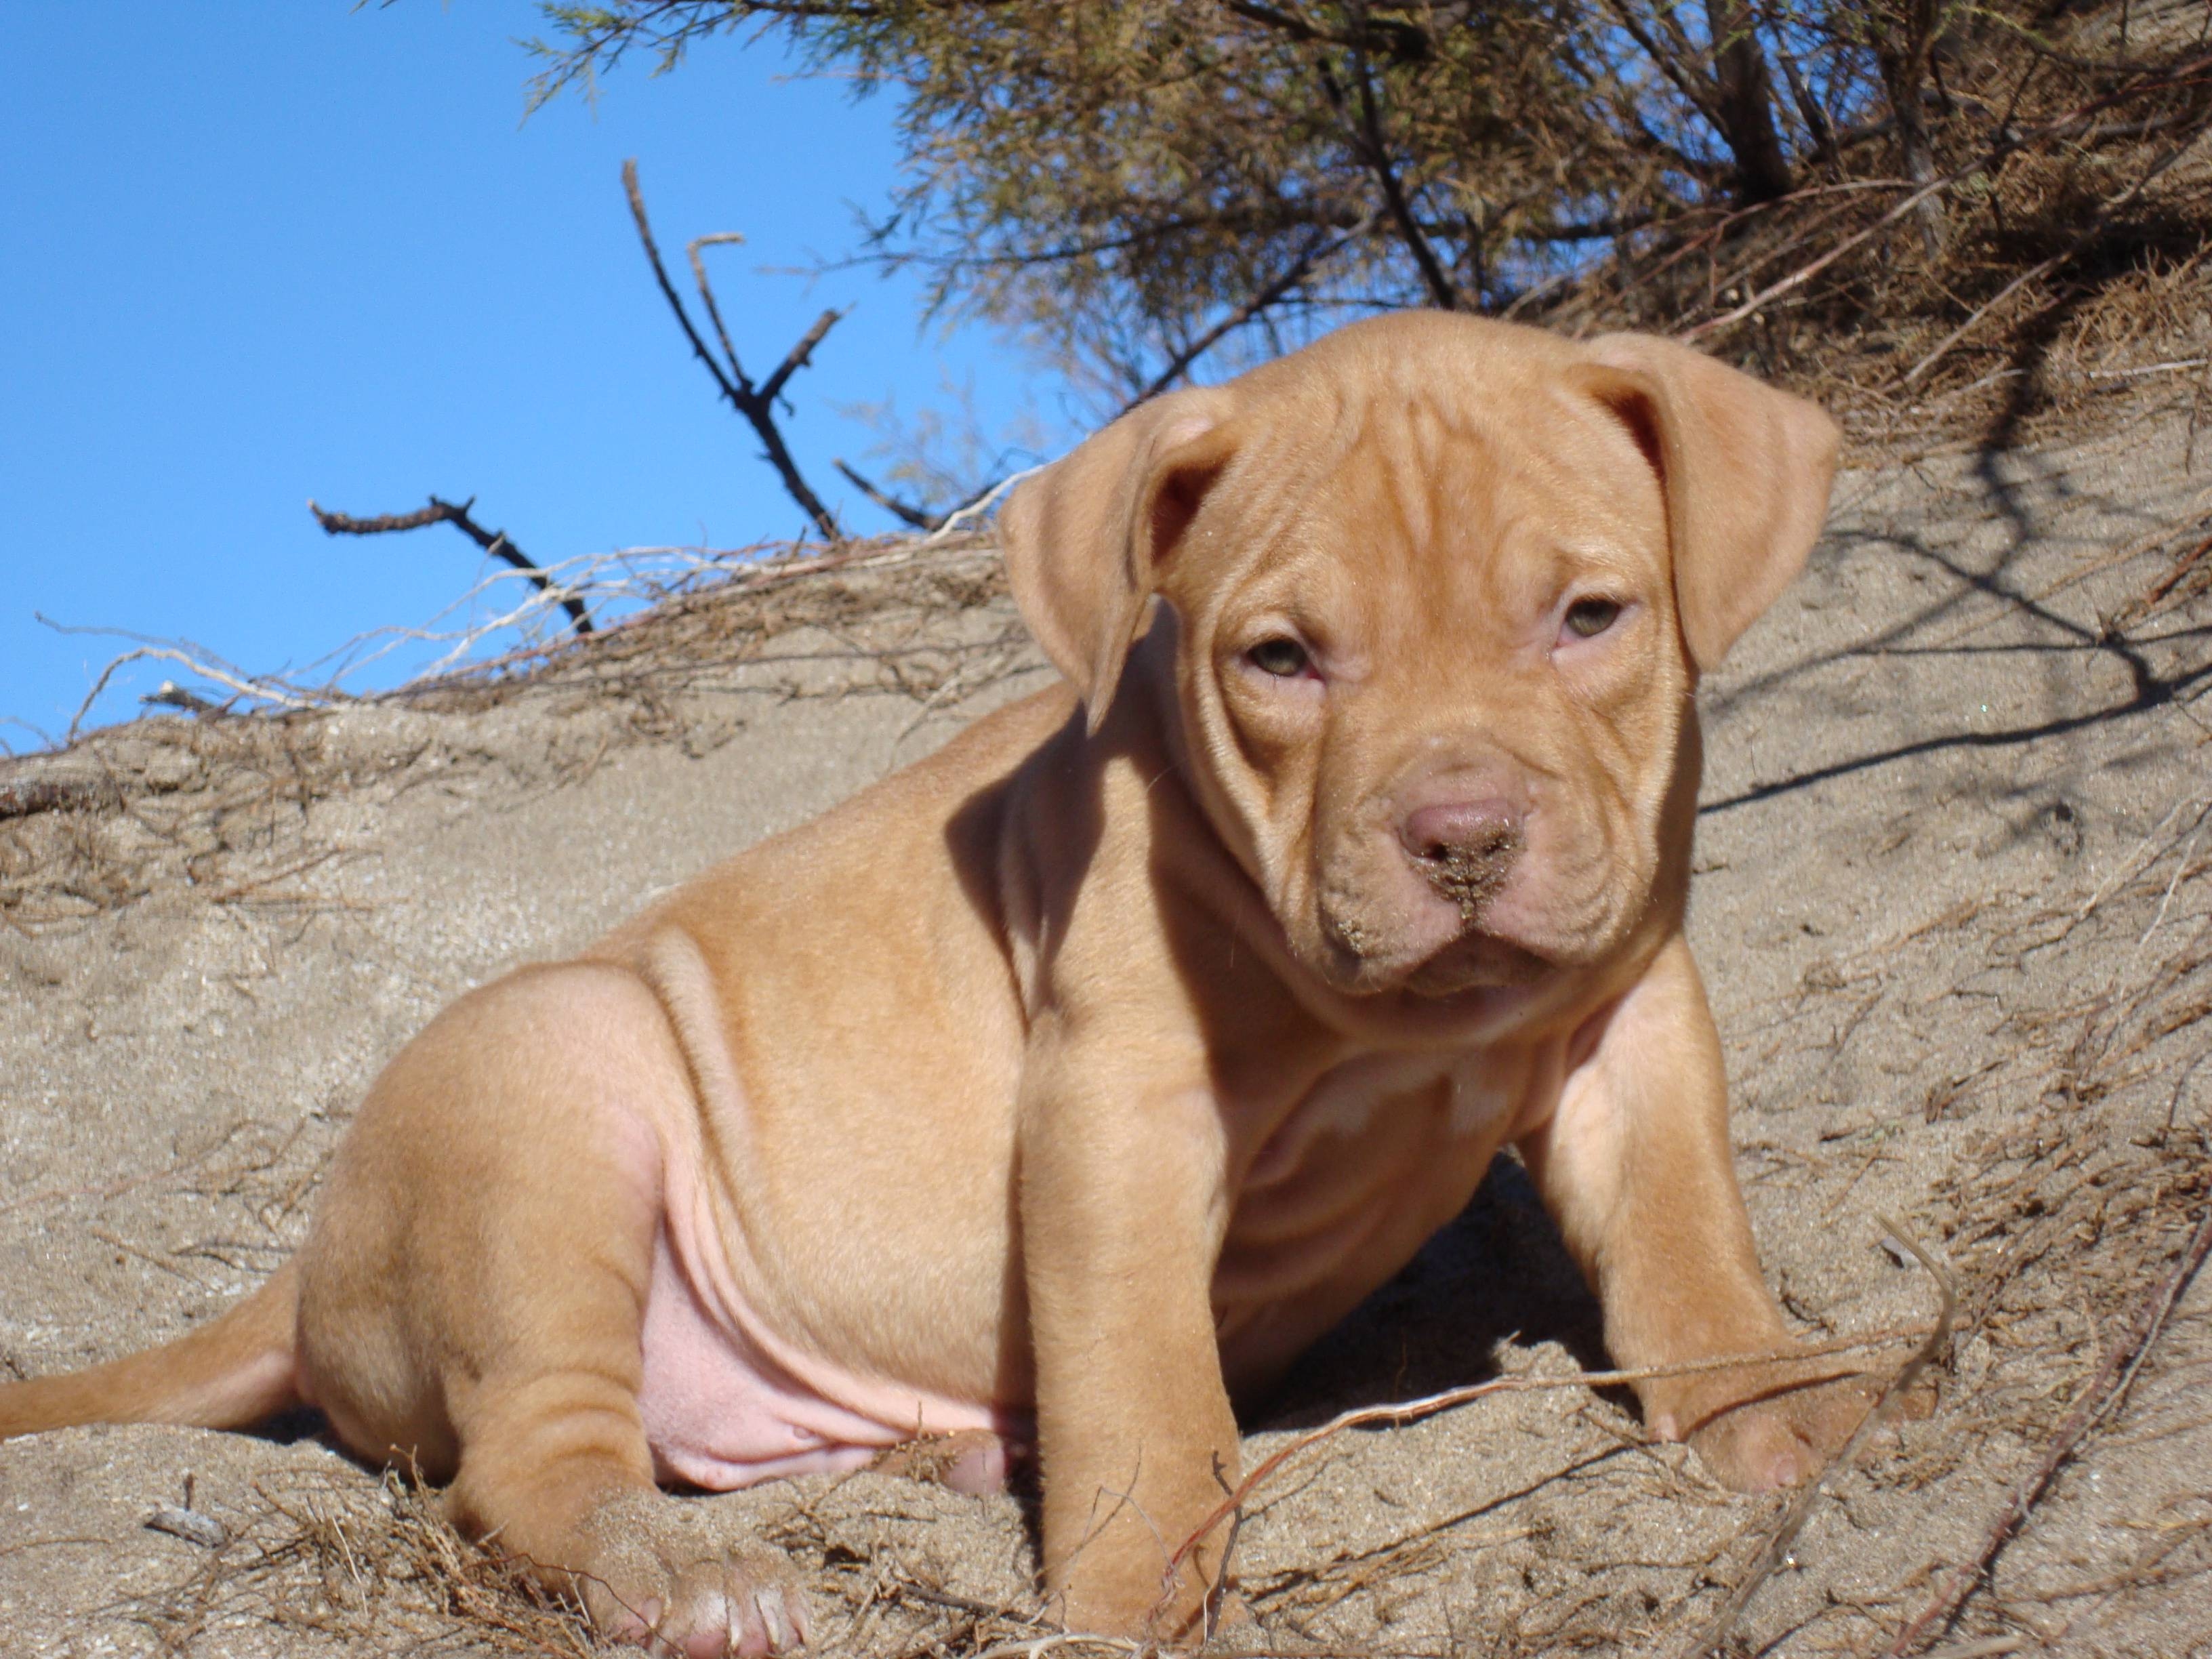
{"type": "Point", "coordinates": [1635, 1165]}
{"type": "Point", "coordinates": [1123, 1213]}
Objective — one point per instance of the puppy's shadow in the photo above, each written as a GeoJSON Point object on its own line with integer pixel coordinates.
{"type": "Point", "coordinates": [1498, 1271]}
{"type": "Point", "coordinates": [296, 1425]}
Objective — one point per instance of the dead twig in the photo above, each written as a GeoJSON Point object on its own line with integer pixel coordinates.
{"type": "Point", "coordinates": [181, 1521]}
{"type": "Point", "coordinates": [1410, 1411]}
{"type": "Point", "coordinates": [269, 690]}
{"type": "Point", "coordinates": [456, 514]}
{"type": "Point", "coordinates": [2104, 1394]}
{"type": "Point", "coordinates": [977, 506]}
{"type": "Point", "coordinates": [23, 800]}
{"type": "Point", "coordinates": [1369, 142]}
{"type": "Point", "coordinates": [907, 512]}
{"type": "Point", "coordinates": [1317, 252]}
{"type": "Point", "coordinates": [756, 403]}
{"type": "Point", "coordinates": [170, 695]}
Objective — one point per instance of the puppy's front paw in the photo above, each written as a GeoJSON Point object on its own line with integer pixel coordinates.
{"type": "Point", "coordinates": [660, 1573]}
{"type": "Point", "coordinates": [1781, 1439]}
{"type": "Point", "coordinates": [1769, 1444]}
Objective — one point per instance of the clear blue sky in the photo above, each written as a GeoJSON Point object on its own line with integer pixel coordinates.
{"type": "Point", "coordinates": [254, 252]}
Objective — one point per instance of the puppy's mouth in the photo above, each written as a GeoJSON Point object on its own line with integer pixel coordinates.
{"type": "Point", "coordinates": [1475, 960]}
{"type": "Point", "coordinates": [1467, 959]}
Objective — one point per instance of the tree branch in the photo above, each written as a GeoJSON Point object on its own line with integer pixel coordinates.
{"type": "Point", "coordinates": [1368, 139]}
{"type": "Point", "coordinates": [668, 289]}
{"type": "Point", "coordinates": [795, 359]}
{"type": "Point", "coordinates": [756, 404]}
{"type": "Point", "coordinates": [456, 514]}
{"type": "Point", "coordinates": [1320, 249]}
{"type": "Point", "coordinates": [1684, 77]}
{"type": "Point", "coordinates": [906, 512]}
{"type": "Point", "coordinates": [716, 239]}
{"type": "Point", "coordinates": [2008, 144]}
{"type": "Point", "coordinates": [1402, 38]}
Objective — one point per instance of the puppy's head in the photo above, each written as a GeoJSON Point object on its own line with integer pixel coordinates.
{"type": "Point", "coordinates": [1442, 592]}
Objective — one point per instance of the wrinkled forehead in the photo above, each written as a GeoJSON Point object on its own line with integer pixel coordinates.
{"type": "Point", "coordinates": [1493, 495]}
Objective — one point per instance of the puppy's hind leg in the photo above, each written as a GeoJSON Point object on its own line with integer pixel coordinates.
{"type": "Point", "coordinates": [474, 1297]}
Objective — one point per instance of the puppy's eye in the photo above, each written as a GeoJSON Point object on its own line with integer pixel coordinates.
{"type": "Point", "coordinates": [1588, 618]}
{"type": "Point", "coordinates": [1282, 656]}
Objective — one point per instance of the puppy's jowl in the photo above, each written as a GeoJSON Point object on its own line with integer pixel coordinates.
{"type": "Point", "coordinates": [1069, 1083]}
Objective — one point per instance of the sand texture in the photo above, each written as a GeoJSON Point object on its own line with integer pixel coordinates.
{"type": "Point", "coordinates": [1952, 905]}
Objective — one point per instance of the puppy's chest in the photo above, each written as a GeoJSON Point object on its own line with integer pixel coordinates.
{"type": "Point", "coordinates": [1374, 1142]}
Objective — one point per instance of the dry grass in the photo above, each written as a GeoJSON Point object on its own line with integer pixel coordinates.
{"type": "Point", "coordinates": [325, 1560]}
{"type": "Point", "coordinates": [2062, 278]}
{"type": "Point", "coordinates": [246, 805]}
{"type": "Point", "coordinates": [320, 1557]}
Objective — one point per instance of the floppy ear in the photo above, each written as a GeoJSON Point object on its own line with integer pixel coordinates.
{"type": "Point", "coordinates": [1086, 539]}
{"type": "Point", "coordinates": [1746, 470]}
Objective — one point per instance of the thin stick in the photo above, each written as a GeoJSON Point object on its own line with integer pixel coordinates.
{"type": "Point", "coordinates": [264, 690]}
{"type": "Point", "coordinates": [1411, 1410]}
{"type": "Point", "coordinates": [1801, 1508]}
{"type": "Point", "coordinates": [714, 238]}
{"type": "Point", "coordinates": [906, 512]}
{"type": "Point", "coordinates": [977, 508]}
{"type": "Point", "coordinates": [2103, 1396]}
{"type": "Point", "coordinates": [1441, 288]}
{"type": "Point", "coordinates": [23, 800]}
{"type": "Point", "coordinates": [1321, 248]}
{"type": "Point", "coordinates": [456, 514]}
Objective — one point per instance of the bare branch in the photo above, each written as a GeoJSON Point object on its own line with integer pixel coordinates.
{"type": "Point", "coordinates": [456, 514]}
{"type": "Point", "coordinates": [1296, 272]}
{"type": "Point", "coordinates": [1996, 156]}
{"type": "Point", "coordinates": [2099, 221]}
{"type": "Point", "coordinates": [795, 359]}
{"type": "Point", "coordinates": [756, 404]}
{"type": "Point", "coordinates": [714, 238]}
{"type": "Point", "coordinates": [1895, 1391]}
{"type": "Point", "coordinates": [1410, 1410]}
{"type": "Point", "coordinates": [1286, 22]}
{"type": "Point", "coordinates": [906, 512]}
{"type": "Point", "coordinates": [170, 695]}
{"type": "Point", "coordinates": [1369, 141]}
{"type": "Point", "coordinates": [23, 800]}
{"type": "Point", "coordinates": [1401, 37]}
{"type": "Point", "coordinates": [2093, 1403]}
{"type": "Point", "coordinates": [1684, 75]}
{"type": "Point", "coordinates": [668, 289]}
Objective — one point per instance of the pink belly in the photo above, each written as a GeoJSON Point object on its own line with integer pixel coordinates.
{"type": "Point", "coordinates": [729, 1400]}
{"type": "Point", "coordinates": [726, 1404]}
{"type": "Point", "coordinates": [720, 1412]}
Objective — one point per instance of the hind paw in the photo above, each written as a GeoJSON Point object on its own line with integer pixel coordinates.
{"type": "Point", "coordinates": [659, 1571]}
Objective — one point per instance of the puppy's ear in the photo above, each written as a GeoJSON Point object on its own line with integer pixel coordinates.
{"type": "Point", "coordinates": [1085, 540]}
{"type": "Point", "coordinates": [1745, 469]}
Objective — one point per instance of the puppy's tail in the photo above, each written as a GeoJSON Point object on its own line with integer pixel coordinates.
{"type": "Point", "coordinates": [226, 1375]}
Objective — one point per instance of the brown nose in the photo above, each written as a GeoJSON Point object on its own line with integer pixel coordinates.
{"type": "Point", "coordinates": [1466, 848]}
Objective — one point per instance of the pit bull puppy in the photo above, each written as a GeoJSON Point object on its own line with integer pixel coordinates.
{"type": "Point", "coordinates": [1063, 1087]}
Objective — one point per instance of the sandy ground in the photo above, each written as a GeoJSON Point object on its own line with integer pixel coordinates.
{"type": "Point", "coordinates": [1952, 905]}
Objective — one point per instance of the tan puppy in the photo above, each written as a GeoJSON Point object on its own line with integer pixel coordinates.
{"type": "Point", "coordinates": [1073, 1080]}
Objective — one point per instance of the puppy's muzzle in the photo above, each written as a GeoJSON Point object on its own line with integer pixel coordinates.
{"type": "Point", "coordinates": [1464, 849]}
